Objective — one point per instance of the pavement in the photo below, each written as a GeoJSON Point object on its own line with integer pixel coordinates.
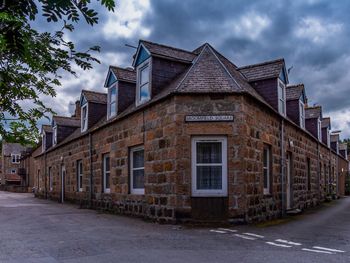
{"type": "Point", "coordinates": [35, 230]}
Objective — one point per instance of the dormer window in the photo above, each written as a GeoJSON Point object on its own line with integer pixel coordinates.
{"type": "Point", "coordinates": [302, 114]}
{"type": "Point", "coordinates": [84, 117]}
{"type": "Point", "coordinates": [16, 158]}
{"type": "Point", "coordinates": [112, 101]}
{"type": "Point", "coordinates": [54, 137]}
{"type": "Point", "coordinates": [319, 129]}
{"type": "Point", "coordinates": [143, 93]}
{"type": "Point", "coordinates": [281, 98]}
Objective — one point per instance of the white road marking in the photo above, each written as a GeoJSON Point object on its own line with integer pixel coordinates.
{"type": "Point", "coordinates": [288, 242]}
{"type": "Point", "coordinates": [330, 249]}
{"type": "Point", "coordinates": [227, 229]}
{"type": "Point", "coordinates": [245, 237]}
{"type": "Point", "coordinates": [316, 251]}
{"type": "Point", "coordinates": [218, 231]}
{"type": "Point", "coordinates": [253, 235]}
{"type": "Point", "coordinates": [277, 245]}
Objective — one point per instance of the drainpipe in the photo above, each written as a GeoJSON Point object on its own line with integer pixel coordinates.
{"type": "Point", "coordinates": [318, 170]}
{"type": "Point", "coordinates": [282, 169]}
{"type": "Point", "coordinates": [91, 177]}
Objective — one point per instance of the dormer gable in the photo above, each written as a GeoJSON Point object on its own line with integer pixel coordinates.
{"type": "Point", "coordinates": [313, 118]}
{"type": "Point", "coordinates": [93, 107]}
{"type": "Point", "coordinates": [326, 127]}
{"type": "Point", "coordinates": [269, 79]}
{"type": "Point", "coordinates": [62, 127]}
{"type": "Point", "coordinates": [120, 83]}
{"type": "Point", "coordinates": [343, 150]}
{"type": "Point", "coordinates": [335, 142]}
{"type": "Point", "coordinates": [296, 100]}
{"type": "Point", "coordinates": [46, 137]}
{"type": "Point", "coordinates": [157, 66]}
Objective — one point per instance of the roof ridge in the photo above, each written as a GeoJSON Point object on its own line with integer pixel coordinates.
{"type": "Point", "coordinates": [66, 117]}
{"type": "Point", "coordinates": [163, 45]}
{"type": "Point", "coordinates": [261, 63]}
{"type": "Point", "coordinates": [295, 85]}
{"type": "Point", "coordinates": [93, 91]}
{"type": "Point", "coordinates": [127, 69]}
{"type": "Point", "coordinates": [314, 107]}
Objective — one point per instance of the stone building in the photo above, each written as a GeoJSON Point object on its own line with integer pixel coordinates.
{"type": "Point", "coordinates": [11, 158]}
{"type": "Point", "coordinates": [188, 135]}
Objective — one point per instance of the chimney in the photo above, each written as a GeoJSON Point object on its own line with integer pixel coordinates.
{"type": "Point", "coordinates": [77, 112]}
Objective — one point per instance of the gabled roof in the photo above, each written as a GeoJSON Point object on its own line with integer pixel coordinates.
{"type": "Point", "coordinates": [167, 52]}
{"type": "Point", "coordinates": [265, 70]}
{"type": "Point", "coordinates": [293, 92]}
{"type": "Point", "coordinates": [124, 74]}
{"type": "Point", "coordinates": [66, 121]}
{"type": "Point", "coordinates": [326, 122]}
{"type": "Point", "coordinates": [334, 137]}
{"type": "Point", "coordinates": [313, 112]}
{"type": "Point", "coordinates": [94, 96]}
{"type": "Point", "coordinates": [46, 128]}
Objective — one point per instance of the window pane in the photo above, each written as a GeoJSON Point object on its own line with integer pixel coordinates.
{"type": "Point", "coordinates": [266, 178]}
{"type": "Point", "coordinates": [209, 152]}
{"type": "Point", "coordinates": [138, 179]}
{"type": "Point", "coordinates": [80, 181]}
{"type": "Point", "coordinates": [138, 159]}
{"type": "Point", "coordinates": [107, 179]}
{"type": "Point", "coordinates": [107, 163]}
{"type": "Point", "coordinates": [209, 177]}
{"type": "Point", "coordinates": [113, 94]}
{"type": "Point", "coordinates": [80, 167]}
{"type": "Point", "coordinates": [265, 157]}
{"type": "Point", "coordinates": [144, 92]}
{"type": "Point", "coordinates": [112, 109]}
{"type": "Point", "coordinates": [144, 75]}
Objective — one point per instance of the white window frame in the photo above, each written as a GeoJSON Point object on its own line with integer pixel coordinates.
{"type": "Point", "coordinates": [50, 179]}
{"type": "Point", "coordinates": [328, 138]}
{"type": "Point", "coordinates": [302, 114]}
{"type": "Point", "coordinates": [209, 192]}
{"type": "Point", "coordinates": [138, 191]}
{"type": "Point", "coordinates": [281, 97]}
{"type": "Point", "coordinates": [84, 119]}
{"type": "Point", "coordinates": [268, 169]}
{"type": "Point", "coordinates": [113, 86]}
{"type": "Point", "coordinates": [319, 129]}
{"type": "Point", "coordinates": [142, 66]}
{"type": "Point", "coordinates": [15, 158]}
{"type": "Point", "coordinates": [54, 135]}
{"type": "Point", "coordinates": [105, 172]}
{"type": "Point", "coordinates": [80, 175]}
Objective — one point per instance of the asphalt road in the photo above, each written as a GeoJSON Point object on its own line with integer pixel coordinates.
{"type": "Point", "coordinates": [33, 230]}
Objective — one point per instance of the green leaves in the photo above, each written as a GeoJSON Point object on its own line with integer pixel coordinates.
{"type": "Point", "coordinates": [31, 63]}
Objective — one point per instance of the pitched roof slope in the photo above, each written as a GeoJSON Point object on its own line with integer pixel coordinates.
{"type": "Point", "coordinates": [343, 146]}
{"type": "Point", "coordinates": [265, 70]}
{"type": "Point", "coordinates": [124, 74]}
{"type": "Point", "coordinates": [334, 137]}
{"type": "Point", "coordinates": [294, 92]}
{"type": "Point", "coordinates": [47, 128]}
{"type": "Point", "coordinates": [94, 96]}
{"type": "Point", "coordinates": [207, 75]}
{"type": "Point", "coordinates": [170, 52]}
{"type": "Point", "coordinates": [66, 121]}
{"type": "Point", "coordinates": [313, 112]}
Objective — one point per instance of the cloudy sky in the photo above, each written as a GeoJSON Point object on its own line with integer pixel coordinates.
{"type": "Point", "coordinates": [313, 36]}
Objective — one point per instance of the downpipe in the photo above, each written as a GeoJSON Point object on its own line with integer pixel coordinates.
{"type": "Point", "coordinates": [91, 176]}
{"type": "Point", "coordinates": [283, 205]}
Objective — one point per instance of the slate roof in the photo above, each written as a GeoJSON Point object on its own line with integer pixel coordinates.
{"type": "Point", "coordinates": [294, 92]}
{"type": "Point", "coordinates": [334, 137]}
{"type": "Point", "coordinates": [313, 112]}
{"type": "Point", "coordinates": [47, 128]}
{"type": "Point", "coordinates": [94, 96]}
{"type": "Point", "coordinates": [124, 74]}
{"type": "Point", "coordinates": [326, 122]}
{"type": "Point", "coordinates": [169, 52]}
{"type": "Point", "coordinates": [265, 70]}
{"type": "Point", "coordinates": [66, 121]}
{"type": "Point", "coordinates": [15, 148]}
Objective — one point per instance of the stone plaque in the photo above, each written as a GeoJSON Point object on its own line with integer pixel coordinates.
{"type": "Point", "coordinates": [206, 118]}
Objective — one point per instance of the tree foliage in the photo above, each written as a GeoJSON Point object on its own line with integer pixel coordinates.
{"type": "Point", "coordinates": [32, 63]}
